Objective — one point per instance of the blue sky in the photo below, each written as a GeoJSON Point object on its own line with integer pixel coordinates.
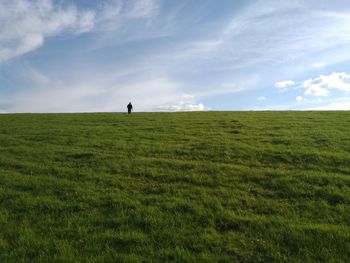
{"type": "Point", "coordinates": [165, 55]}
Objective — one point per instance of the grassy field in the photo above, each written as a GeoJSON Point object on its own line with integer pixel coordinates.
{"type": "Point", "coordinates": [175, 187]}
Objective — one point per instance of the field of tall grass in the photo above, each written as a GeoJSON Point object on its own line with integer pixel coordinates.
{"type": "Point", "coordinates": [175, 187]}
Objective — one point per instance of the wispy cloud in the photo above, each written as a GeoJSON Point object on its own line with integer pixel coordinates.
{"type": "Point", "coordinates": [25, 24]}
{"type": "Point", "coordinates": [143, 9]}
{"type": "Point", "coordinates": [135, 9]}
{"type": "Point", "coordinates": [116, 14]}
{"type": "Point", "coordinates": [262, 35]}
{"type": "Point", "coordinates": [284, 84]}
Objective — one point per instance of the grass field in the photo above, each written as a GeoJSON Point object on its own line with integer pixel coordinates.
{"type": "Point", "coordinates": [175, 187]}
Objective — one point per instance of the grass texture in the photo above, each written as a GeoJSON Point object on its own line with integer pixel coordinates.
{"type": "Point", "coordinates": [175, 187]}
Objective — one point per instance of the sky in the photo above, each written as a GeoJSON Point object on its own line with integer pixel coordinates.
{"type": "Point", "coordinates": [166, 55]}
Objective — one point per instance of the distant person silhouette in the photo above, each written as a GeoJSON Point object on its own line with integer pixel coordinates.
{"type": "Point", "coordinates": [129, 108]}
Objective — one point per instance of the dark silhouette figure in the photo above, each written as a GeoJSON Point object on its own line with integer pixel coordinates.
{"type": "Point", "coordinates": [129, 108]}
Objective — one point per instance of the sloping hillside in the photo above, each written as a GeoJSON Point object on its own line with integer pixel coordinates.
{"type": "Point", "coordinates": [185, 187]}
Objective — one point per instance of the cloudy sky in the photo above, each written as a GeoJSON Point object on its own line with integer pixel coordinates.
{"type": "Point", "coordinates": [166, 55]}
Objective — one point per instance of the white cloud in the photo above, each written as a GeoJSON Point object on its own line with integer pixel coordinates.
{"type": "Point", "coordinates": [25, 24]}
{"type": "Point", "coordinates": [111, 10]}
{"type": "Point", "coordinates": [182, 107]}
{"type": "Point", "coordinates": [333, 106]}
{"type": "Point", "coordinates": [322, 85]}
{"type": "Point", "coordinates": [299, 98]}
{"type": "Point", "coordinates": [143, 9]}
{"type": "Point", "coordinates": [315, 89]}
{"type": "Point", "coordinates": [97, 95]}
{"type": "Point", "coordinates": [188, 103]}
{"type": "Point", "coordinates": [85, 22]}
{"type": "Point", "coordinates": [120, 11]}
{"type": "Point", "coordinates": [284, 84]}
{"type": "Point", "coordinates": [319, 65]}
{"type": "Point", "coordinates": [262, 98]}
{"type": "Point", "coordinates": [187, 96]}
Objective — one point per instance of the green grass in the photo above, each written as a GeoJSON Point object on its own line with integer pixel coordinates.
{"type": "Point", "coordinates": [175, 187]}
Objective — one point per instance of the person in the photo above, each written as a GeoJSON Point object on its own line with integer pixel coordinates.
{"type": "Point", "coordinates": [129, 108]}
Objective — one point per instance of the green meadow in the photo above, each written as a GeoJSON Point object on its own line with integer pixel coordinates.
{"type": "Point", "coordinates": [175, 187]}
